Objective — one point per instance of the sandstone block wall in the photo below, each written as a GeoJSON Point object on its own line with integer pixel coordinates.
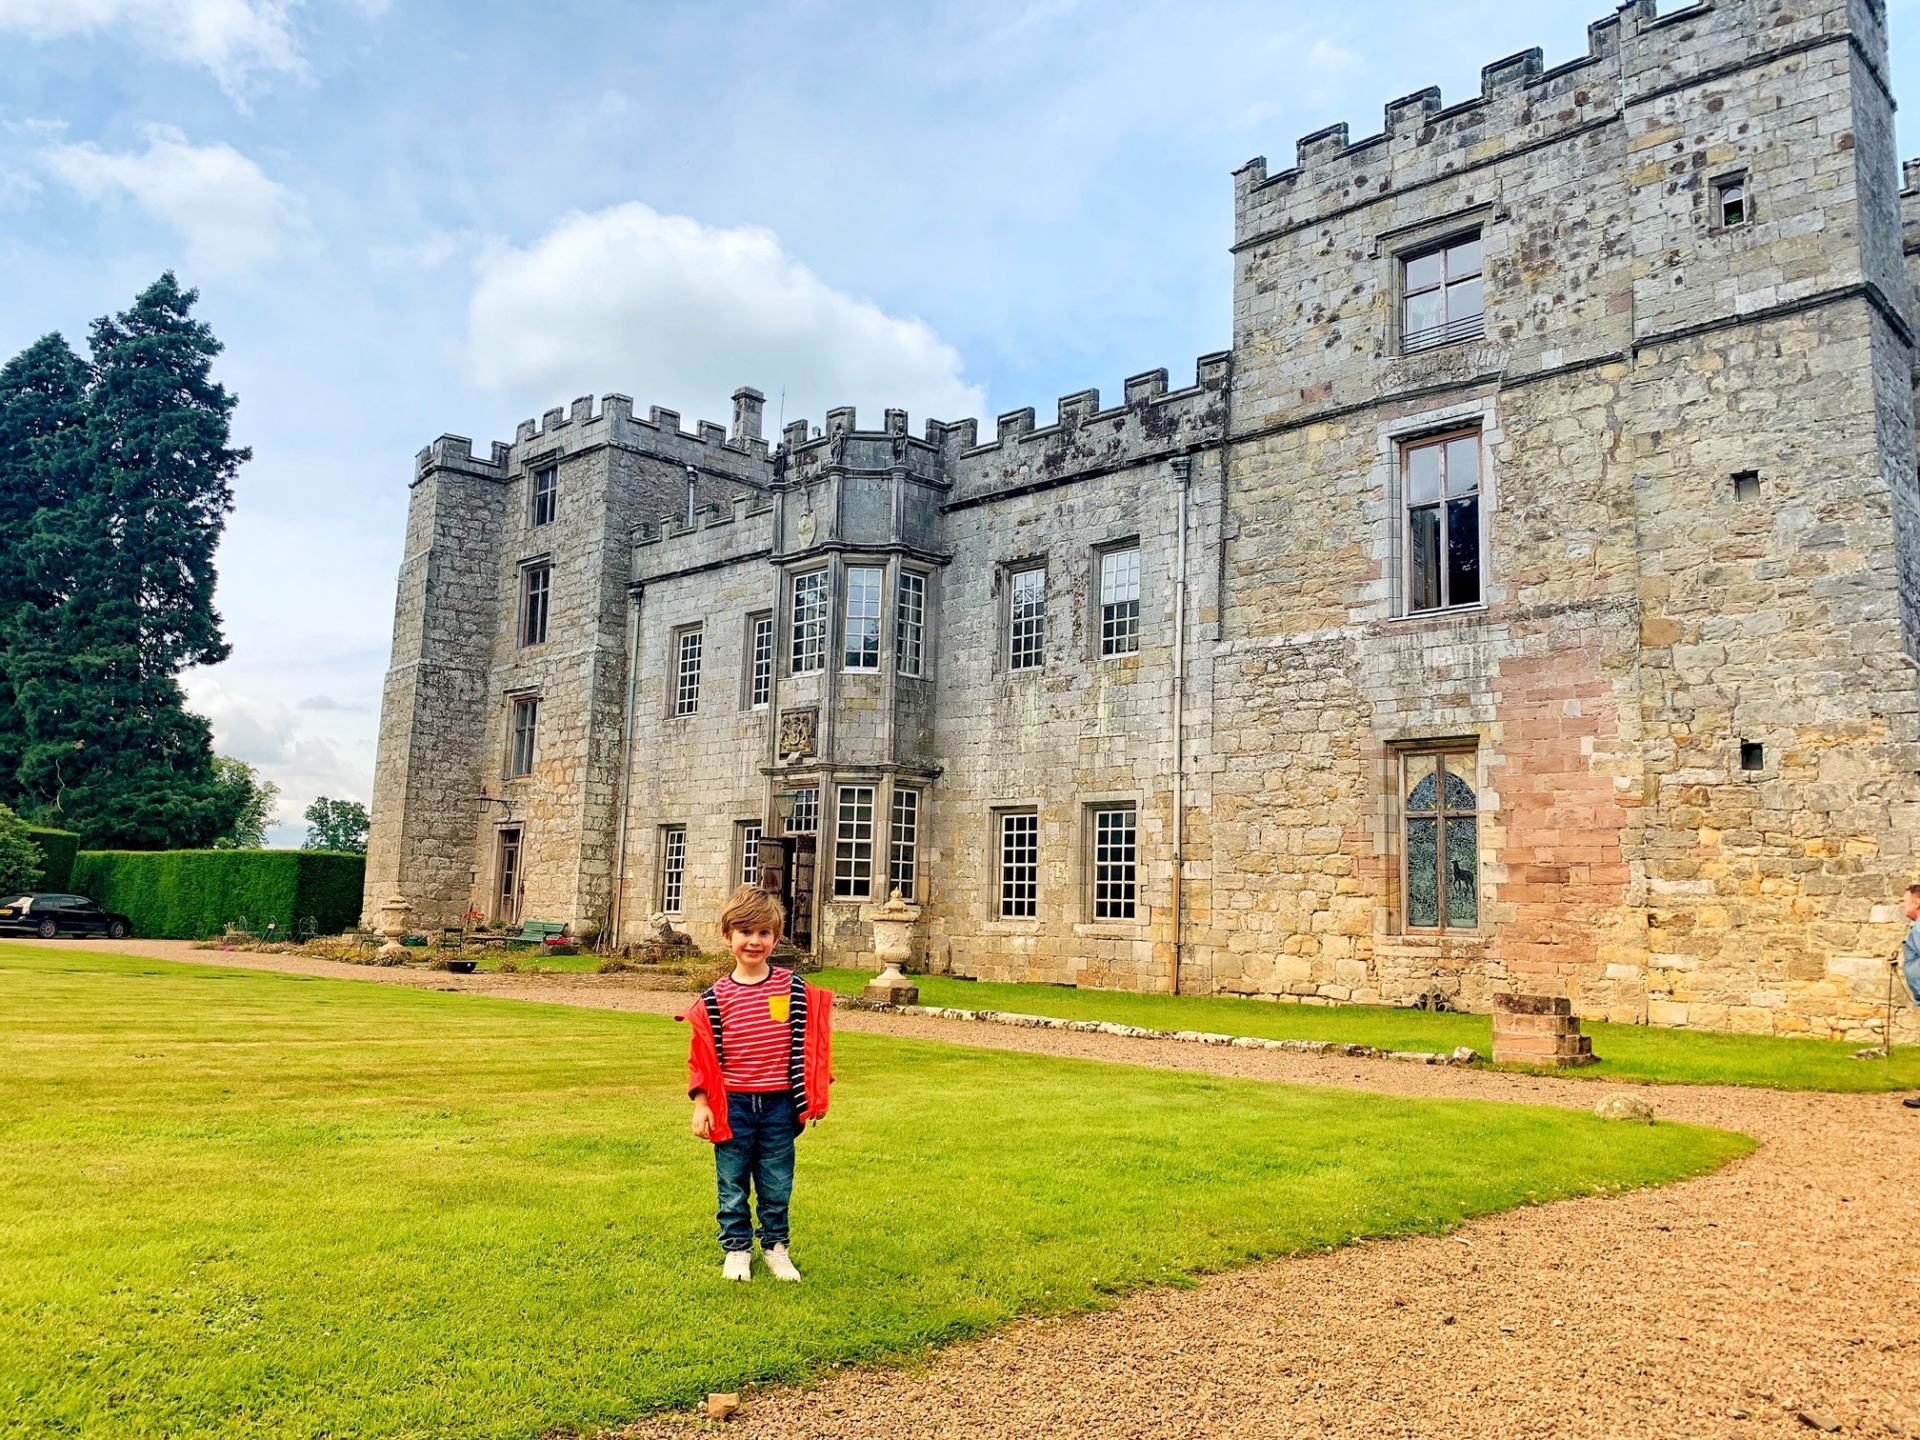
{"type": "Point", "coordinates": [1683, 705]}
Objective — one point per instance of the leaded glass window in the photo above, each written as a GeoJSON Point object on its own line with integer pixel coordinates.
{"type": "Point", "coordinates": [1441, 826]}
{"type": "Point", "coordinates": [673, 867]}
{"type": "Point", "coordinates": [806, 811]}
{"type": "Point", "coordinates": [903, 842]}
{"type": "Point", "coordinates": [1120, 601]}
{"type": "Point", "coordinates": [862, 648]}
{"type": "Point", "coordinates": [1027, 619]}
{"type": "Point", "coordinates": [686, 687]}
{"type": "Point", "coordinates": [760, 665]}
{"type": "Point", "coordinates": [853, 844]}
{"type": "Point", "coordinates": [809, 622]}
{"type": "Point", "coordinates": [750, 852]}
{"type": "Point", "coordinates": [1019, 871]}
{"type": "Point", "coordinates": [910, 623]}
{"type": "Point", "coordinates": [1115, 854]}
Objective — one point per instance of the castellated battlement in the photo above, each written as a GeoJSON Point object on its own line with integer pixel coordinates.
{"type": "Point", "coordinates": [571, 430]}
{"type": "Point", "coordinates": [1640, 51]}
{"type": "Point", "coordinates": [1150, 422]}
{"type": "Point", "coordinates": [717, 535]}
{"type": "Point", "coordinates": [455, 452]}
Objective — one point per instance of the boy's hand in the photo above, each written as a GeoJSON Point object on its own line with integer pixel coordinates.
{"type": "Point", "coordinates": [702, 1119]}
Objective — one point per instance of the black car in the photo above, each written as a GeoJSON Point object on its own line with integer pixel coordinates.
{"type": "Point", "coordinates": [51, 915]}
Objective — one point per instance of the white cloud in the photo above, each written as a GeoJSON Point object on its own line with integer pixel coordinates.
{"type": "Point", "coordinates": [269, 737]}
{"type": "Point", "coordinates": [678, 313]}
{"type": "Point", "coordinates": [231, 215]}
{"type": "Point", "coordinates": [234, 39]}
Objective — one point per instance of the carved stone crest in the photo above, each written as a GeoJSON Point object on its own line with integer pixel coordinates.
{"type": "Point", "coordinates": [797, 731]}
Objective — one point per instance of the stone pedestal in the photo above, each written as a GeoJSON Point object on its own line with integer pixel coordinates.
{"type": "Point", "coordinates": [1538, 1030]}
{"type": "Point", "coordinates": [892, 946]}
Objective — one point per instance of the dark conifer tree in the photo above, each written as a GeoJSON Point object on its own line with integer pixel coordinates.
{"type": "Point", "coordinates": [111, 749]}
{"type": "Point", "coordinates": [43, 395]}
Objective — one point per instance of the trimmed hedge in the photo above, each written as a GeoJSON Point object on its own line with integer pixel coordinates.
{"type": "Point", "coordinates": [57, 849]}
{"type": "Point", "coordinates": [195, 894]}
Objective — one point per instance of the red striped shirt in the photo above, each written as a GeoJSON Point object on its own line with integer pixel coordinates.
{"type": "Point", "coordinates": [756, 1032]}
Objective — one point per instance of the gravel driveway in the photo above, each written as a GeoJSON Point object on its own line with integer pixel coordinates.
{"type": "Point", "coordinates": [1779, 1296]}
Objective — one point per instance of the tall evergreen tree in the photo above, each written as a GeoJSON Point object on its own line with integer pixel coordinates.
{"type": "Point", "coordinates": [111, 749]}
{"type": "Point", "coordinates": [42, 438]}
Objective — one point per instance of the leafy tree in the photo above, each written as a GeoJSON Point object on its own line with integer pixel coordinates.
{"type": "Point", "coordinates": [20, 857]}
{"type": "Point", "coordinates": [246, 804]}
{"type": "Point", "coordinates": [43, 392]}
{"type": "Point", "coordinates": [336, 825]}
{"type": "Point", "coordinates": [127, 565]}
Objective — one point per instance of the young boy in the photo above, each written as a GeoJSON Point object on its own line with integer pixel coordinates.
{"type": "Point", "coordinates": [758, 1072]}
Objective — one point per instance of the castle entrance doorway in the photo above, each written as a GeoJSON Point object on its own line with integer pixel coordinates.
{"type": "Point", "coordinates": [506, 910]}
{"type": "Point", "coordinates": [788, 872]}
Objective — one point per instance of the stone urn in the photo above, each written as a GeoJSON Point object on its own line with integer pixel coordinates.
{"type": "Point", "coordinates": [393, 925]}
{"type": "Point", "coordinates": [892, 945]}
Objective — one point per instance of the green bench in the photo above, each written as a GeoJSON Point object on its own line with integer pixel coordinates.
{"type": "Point", "coordinates": [532, 932]}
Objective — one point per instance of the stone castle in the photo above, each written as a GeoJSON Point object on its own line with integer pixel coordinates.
{"type": "Point", "coordinates": [1529, 598]}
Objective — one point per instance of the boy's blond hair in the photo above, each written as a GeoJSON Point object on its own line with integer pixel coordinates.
{"type": "Point", "coordinates": [751, 908]}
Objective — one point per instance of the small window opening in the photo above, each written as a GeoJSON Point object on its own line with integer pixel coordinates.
{"type": "Point", "coordinates": [1753, 755]}
{"type": "Point", "coordinates": [1730, 198]}
{"type": "Point", "coordinates": [1746, 485]}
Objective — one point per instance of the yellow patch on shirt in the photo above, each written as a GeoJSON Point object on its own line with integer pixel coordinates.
{"type": "Point", "coordinates": [780, 1007]}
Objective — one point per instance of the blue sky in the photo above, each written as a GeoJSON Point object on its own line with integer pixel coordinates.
{"type": "Point", "coordinates": [409, 217]}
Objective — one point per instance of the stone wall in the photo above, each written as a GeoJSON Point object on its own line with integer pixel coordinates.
{"type": "Point", "coordinates": [1682, 708]}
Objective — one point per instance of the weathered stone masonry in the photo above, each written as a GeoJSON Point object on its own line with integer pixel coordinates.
{"type": "Point", "coordinates": [1677, 718]}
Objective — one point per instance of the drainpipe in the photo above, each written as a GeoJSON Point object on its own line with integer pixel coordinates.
{"type": "Point", "coordinates": [618, 919]}
{"type": "Point", "coordinates": [693, 478]}
{"type": "Point", "coordinates": [1183, 475]}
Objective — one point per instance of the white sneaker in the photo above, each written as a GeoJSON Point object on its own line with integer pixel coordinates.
{"type": "Point", "coordinates": [780, 1263]}
{"type": "Point", "coordinates": [739, 1265]}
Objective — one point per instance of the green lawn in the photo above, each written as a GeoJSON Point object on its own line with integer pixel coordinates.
{"type": "Point", "coordinates": [1627, 1052]}
{"type": "Point", "coordinates": [238, 1203]}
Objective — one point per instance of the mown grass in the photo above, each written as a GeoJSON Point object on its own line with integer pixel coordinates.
{"type": "Point", "coordinates": [237, 1203]}
{"type": "Point", "coordinates": [1650, 1053]}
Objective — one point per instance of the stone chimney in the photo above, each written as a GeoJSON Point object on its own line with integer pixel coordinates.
{"type": "Point", "coordinates": [747, 407]}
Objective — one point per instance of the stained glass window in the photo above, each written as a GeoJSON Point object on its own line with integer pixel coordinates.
{"type": "Point", "coordinates": [1441, 830]}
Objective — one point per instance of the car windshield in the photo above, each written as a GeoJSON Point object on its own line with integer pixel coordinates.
{"type": "Point", "coordinates": [17, 902]}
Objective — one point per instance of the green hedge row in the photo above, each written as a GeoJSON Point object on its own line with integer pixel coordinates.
{"type": "Point", "coordinates": [194, 894]}
{"type": "Point", "coordinates": [57, 849]}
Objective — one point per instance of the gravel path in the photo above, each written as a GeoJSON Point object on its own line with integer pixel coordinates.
{"type": "Point", "coordinates": [1780, 1296]}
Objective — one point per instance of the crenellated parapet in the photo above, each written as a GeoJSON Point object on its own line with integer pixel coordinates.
{"type": "Point", "coordinates": [580, 427]}
{"type": "Point", "coordinates": [454, 453]}
{"type": "Point", "coordinates": [1521, 103]}
{"type": "Point", "coordinates": [1638, 56]}
{"type": "Point", "coordinates": [1150, 422]}
{"type": "Point", "coordinates": [717, 535]}
{"type": "Point", "coordinates": [559, 433]}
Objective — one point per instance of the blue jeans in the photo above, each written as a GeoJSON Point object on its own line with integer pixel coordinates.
{"type": "Point", "coordinates": [761, 1151]}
